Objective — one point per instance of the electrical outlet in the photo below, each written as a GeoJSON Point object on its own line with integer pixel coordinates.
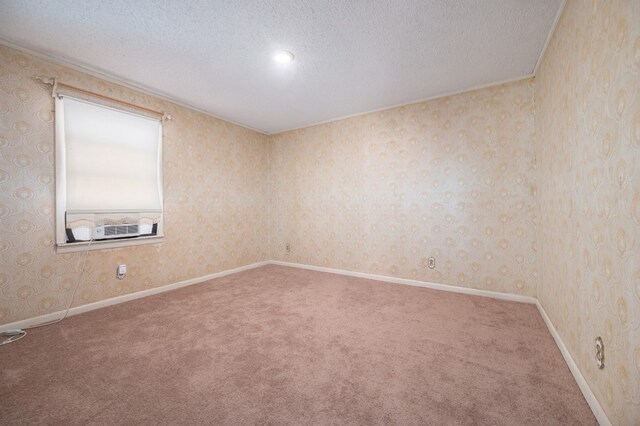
{"type": "Point", "coordinates": [432, 262]}
{"type": "Point", "coordinates": [599, 352]}
{"type": "Point", "coordinates": [287, 248]}
{"type": "Point", "coordinates": [121, 272]}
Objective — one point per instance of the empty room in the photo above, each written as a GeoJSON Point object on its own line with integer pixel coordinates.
{"type": "Point", "coordinates": [320, 212]}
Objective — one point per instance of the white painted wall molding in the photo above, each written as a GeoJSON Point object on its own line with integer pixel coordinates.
{"type": "Point", "coordinates": [149, 292]}
{"type": "Point", "coordinates": [415, 283]}
{"type": "Point", "coordinates": [30, 322]}
{"type": "Point", "coordinates": [598, 412]}
{"type": "Point", "coordinates": [580, 380]}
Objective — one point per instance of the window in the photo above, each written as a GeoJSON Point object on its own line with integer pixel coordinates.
{"type": "Point", "coordinates": [108, 174]}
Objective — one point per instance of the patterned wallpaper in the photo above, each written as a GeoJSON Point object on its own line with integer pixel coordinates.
{"type": "Point", "coordinates": [215, 198]}
{"type": "Point", "coordinates": [452, 178]}
{"type": "Point", "coordinates": [587, 96]}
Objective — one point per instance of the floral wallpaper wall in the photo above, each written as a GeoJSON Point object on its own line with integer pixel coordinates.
{"type": "Point", "coordinates": [530, 188]}
{"type": "Point", "coordinates": [452, 178]}
{"type": "Point", "coordinates": [587, 95]}
{"type": "Point", "coordinates": [215, 198]}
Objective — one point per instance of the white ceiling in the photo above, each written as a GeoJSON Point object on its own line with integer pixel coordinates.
{"type": "Point", "coordinates": [352, 56]}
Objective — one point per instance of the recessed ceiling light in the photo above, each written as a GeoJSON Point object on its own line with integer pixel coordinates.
{"type": "Point", "coordinates": [283, 56]}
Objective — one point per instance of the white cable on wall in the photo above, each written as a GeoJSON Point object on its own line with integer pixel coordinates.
{"type": "Point", "coordinates": [14, 335]}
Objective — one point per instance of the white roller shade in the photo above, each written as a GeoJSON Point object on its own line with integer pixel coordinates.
{"type": "Point", "coordinates": [112, 158]}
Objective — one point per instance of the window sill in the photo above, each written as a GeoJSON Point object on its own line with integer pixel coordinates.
{"type": "Point", "coordinates": [103, 245]}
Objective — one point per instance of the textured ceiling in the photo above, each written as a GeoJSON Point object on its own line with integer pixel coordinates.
{"type": "Point", "coordinates": [351, 56]}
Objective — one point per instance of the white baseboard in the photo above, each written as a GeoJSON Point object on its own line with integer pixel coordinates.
{"type": "Point", "coordinates": [485, 293]}
{"type": "Point", "coordinates": [132, 296]}
{"type": "Point", "coordinates": [598, 412]}
{"type": "Point", "coordinates": [580, 380]}
{"type": "Point", "coordinates": [582, 383]}
{"type": "Point", "coordinates": [124, 298]}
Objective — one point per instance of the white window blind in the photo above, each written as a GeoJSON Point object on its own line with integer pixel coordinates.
{"type": "Point", "coordinates": [111, 158]}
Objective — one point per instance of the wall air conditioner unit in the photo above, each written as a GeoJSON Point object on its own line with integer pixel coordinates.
{"type": "Point", "coordinates": [84, 226]}
{"type": "Point", "coordinates": [125, 230]}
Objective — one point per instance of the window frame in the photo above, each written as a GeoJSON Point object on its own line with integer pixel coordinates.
{"type": "Point", "coordinates": [60, 196]}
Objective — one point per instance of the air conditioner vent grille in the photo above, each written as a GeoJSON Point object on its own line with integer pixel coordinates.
{"type": "Point", "coordinates": [120, 230]}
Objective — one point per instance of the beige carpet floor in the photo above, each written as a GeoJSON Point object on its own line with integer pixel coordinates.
{"type": "Point", "coordinates": [277, 345]}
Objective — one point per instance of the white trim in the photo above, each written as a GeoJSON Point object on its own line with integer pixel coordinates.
{"type": "Point", "coordinates": [60, 167]}
{"type": "Point", "coordinates": [588, 394]}
{"type": "Point", "coordinates": [107, 244]}
{"type": "Point", "coordinates": [116, 80]}
{"type": "Point", "coordinates": [443, 287]}
{"type": "Point", "coordinates": [580, 380]}
{"type": "Point", "coordinates": [61, 199]}
{"type": "Point", "coordinates": [125, 83]}
{"type": "Point", "coordinates": [404, 104]}
{"type": "Point", "coordinates": [125, 298]}
{"type": "Point", "coordinates": [549, 37]}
